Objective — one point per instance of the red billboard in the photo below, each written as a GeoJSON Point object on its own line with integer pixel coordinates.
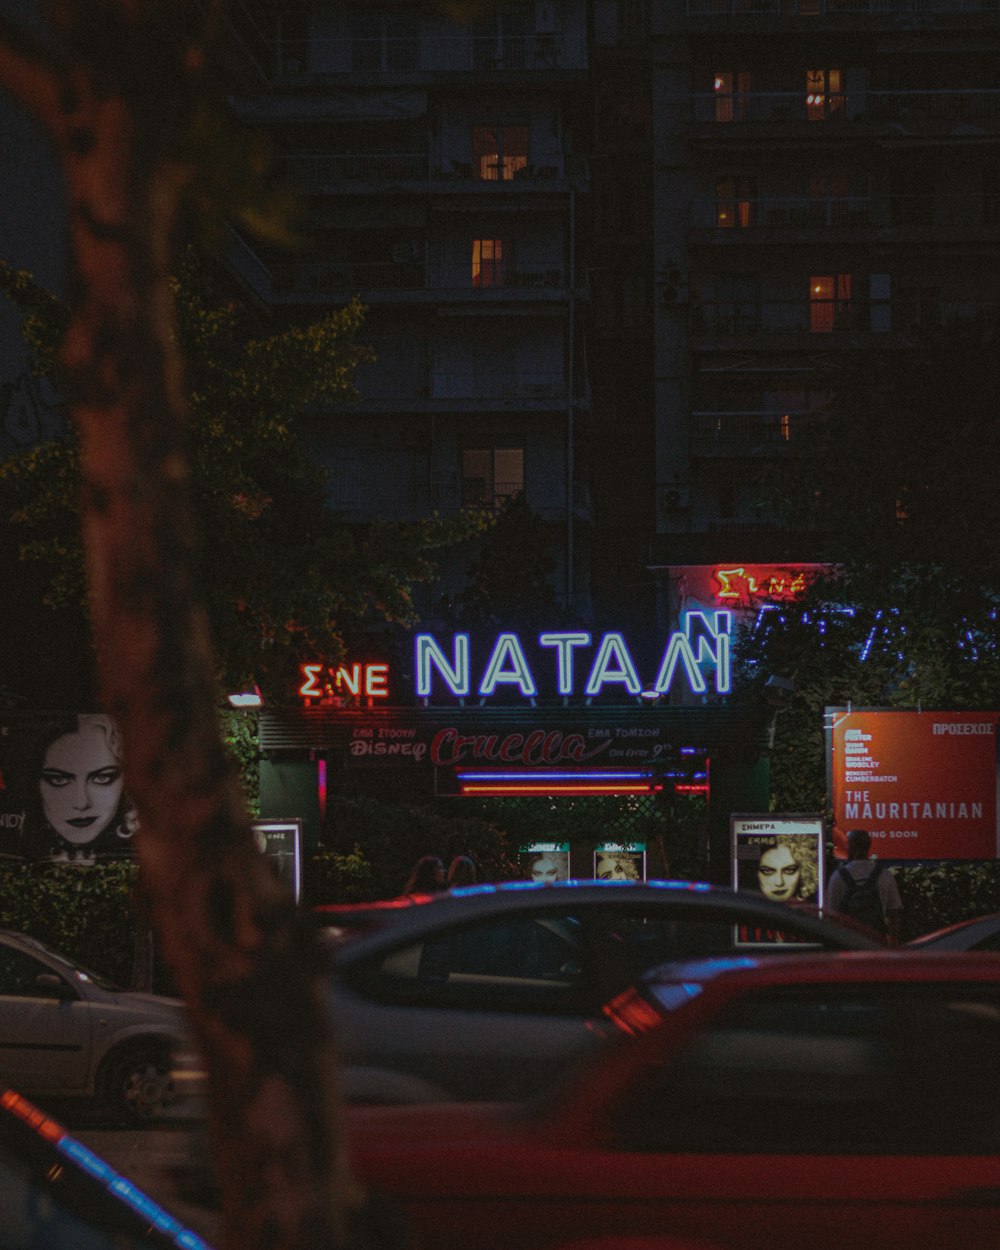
{"type": "Point", "coordinates": [923, 784]}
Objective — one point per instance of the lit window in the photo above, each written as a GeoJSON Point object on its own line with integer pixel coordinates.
{"type": "Point", "coordinates": [829, 302]}
{"type": "Point", "coordinates": [734, 203]}
{"type": "Point", "coordinates": [491, 475]}
{"type": "Point", "coordinates": [487, 262]}
{"type": "Point", "coordinates": [499, 153]}
{"type": "Point", "coordinates": [731, 90]}
{"type": "Point", "coordinates": [824, 94]}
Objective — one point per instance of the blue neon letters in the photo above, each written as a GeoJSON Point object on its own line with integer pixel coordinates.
{"type": "Point", "coordinates": [704, 642]}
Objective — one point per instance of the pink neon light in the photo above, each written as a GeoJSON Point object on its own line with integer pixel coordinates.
{"type": "Point", "coordinates": [321, 786]}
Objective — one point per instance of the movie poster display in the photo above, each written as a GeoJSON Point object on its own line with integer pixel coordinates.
{"type": "Point", "coordinates": [922, 784]}
{"type": "Point", "coordinates": [62, 798]}
{"type": "Point", "coordinates": [779, 857]}
{"type": "Point", "coordinates": [544, 862]}
{"type": "Point", "coordinates": [280, 842]}
{"type": "Point", "coordinates": [620, 861]}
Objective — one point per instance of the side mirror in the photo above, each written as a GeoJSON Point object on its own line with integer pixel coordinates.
{"type": "Point", "coordinates": [54, 986]}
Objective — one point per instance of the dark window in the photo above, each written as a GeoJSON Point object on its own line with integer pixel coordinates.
{"type": "Point", "coordinates": [19, 973]}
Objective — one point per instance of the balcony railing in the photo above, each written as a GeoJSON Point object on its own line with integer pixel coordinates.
{"type": "Point", "coordinates": [522, 386]}
{"type": "Point", "coordinates": [731, 215]}
{"type": "Point", "coordinates": [326, 277]}
{"type": "Point", "coordinates": [735, 317]}
{"type": "Point", "coordinates": [925, 107]}
{"type": "Point", "coordinates": [769, 212]}
{"type": "Point", "coordinates": [902, 314]}
{"type": "Point", "coordinates": [746, 430]}
{"type": "Point", "coordinates": [822, 8]}
{"type": "Point", "coordinates": [316, 170]}
{"type": "Point", "coordinates": [295, 60]}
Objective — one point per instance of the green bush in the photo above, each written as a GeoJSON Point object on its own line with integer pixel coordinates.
{"type": "Point", "coordinates": [935, 895]}
{"type": "Point", "coordinates": [372, 845]}
{"type": "Point", "coordinates": [85, 913]}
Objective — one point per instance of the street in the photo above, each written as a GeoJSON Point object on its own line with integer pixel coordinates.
{"type": "Point", "coordinates": [149, 1157]}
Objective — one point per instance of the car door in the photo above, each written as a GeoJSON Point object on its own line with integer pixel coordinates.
{"type": "Point", "coordinates": [45, 1038]}
{"type": "Point", "coordinates": [494, 1009]}
{"type": "Point", "coordinates": [822, 1116]}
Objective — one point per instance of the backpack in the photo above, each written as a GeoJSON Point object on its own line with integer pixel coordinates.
{"type": "Point", "coordinates": [861, 901]}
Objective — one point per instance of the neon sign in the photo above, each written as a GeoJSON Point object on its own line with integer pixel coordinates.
{"type": "Point", "coordinates": [758, 582]}
{"type": "Point", "coordinates": [704, 641]}
{"type": "Point", "coordinates": [360, 681]}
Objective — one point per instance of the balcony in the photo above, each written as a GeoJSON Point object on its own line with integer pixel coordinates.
{"type": "Point", "coordinates": [819, 319]}
{"type": "Point", "coordinates": [731, 434]}
{"type": "Point", "coordinates": [409, 281]}
{"type": "Point", "coordinates": [544, 390]}
{"type": "Point", "coordinates": [338, 173]}
{"type": "Point", "coordinates": [940, 112]}
{"type": "Point", "coordinates": [821, 324]}
{"type": "Point", "coordinates": [729, 9]}
{"type": "Point", "coordinates": [732, 216]}
{"type": "Point", "coordinates": [413, 58]}
{"type": "Point", "coordinates": [320, 171]}
{"type": "Point", "coordinates": [732, 220]}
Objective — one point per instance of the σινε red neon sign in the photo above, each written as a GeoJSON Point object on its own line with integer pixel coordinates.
{"type": "Point", "coordinates": [346, 681]}
{"type": "Point", "coordinates": [758, 582]}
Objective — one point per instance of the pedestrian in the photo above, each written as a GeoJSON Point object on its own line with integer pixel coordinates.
{"type": "Point", "coordinates": [461, 871]}
{"type": "Point", "coordinates": [427, 876]}
{"type": "Point", "coordinates": [866, 890]}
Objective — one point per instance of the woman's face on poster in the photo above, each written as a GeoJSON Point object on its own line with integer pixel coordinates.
{"type": "Point", "coordinates": [81, 783]}
{"type": "Point", "coordinates": [548, 868]}
{"type": "Point", "coordinates": [779, 874]}
{"type": "Point", "coordinates": [616, 868]}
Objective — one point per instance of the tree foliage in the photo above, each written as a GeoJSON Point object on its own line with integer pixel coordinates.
{"type": "Point", "coordinates": [284, 580]}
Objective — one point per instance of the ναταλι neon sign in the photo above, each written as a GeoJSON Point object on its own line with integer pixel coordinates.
{"type": "Point", "coordinates": [346, 681]}
{"type": "Point", "coordinates": [606, 659]}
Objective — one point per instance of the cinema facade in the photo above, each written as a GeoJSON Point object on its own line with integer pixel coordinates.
{"type": "Point", "coordinates": [557, 714]}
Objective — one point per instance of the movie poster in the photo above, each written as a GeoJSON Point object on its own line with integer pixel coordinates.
{"type": "Point", "coordinates": [280, 842]}
{"type": "Point", "coordinates": [62, 798]}
{"type": "Point", "coordinates": [923, 785]}
{"type": "Point", "coordinates": [620, 861]}
{"type": "Point", "coordinates": [544, 862]}
{"type": "Point", "coordinates": [779, 857]}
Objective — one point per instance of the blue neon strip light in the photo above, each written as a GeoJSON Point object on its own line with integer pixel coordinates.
{"type": "Point", "coordinates": [87, 1159]}
{"type": "Point", "coordinates": [130, 1194]}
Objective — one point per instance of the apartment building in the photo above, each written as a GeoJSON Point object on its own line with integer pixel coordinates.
{"type": "Point", "coordinates": [826, 183]}
{"type": "Point", "coordinates": [444, 166]}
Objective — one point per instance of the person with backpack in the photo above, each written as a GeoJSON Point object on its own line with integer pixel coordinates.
{"type": "Point", "coordinates": [866, 890]}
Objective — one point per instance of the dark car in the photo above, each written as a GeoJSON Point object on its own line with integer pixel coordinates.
{"type": "Point", "coordinates": [749, 1103]}
{"type": "Point", "coordinates": [491, 992]}
{"type": "Point", "coordinates": [980, 934]}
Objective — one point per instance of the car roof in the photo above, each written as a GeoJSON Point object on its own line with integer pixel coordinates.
{"type": "Point", "coordinates": [975, 929]}
{"type": "Point", "coordinates": [852, 966]}
{"type": "Point", "coordinates": [422, 914]}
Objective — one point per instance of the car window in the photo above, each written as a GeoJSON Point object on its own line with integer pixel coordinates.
{"type": "Point", "coordinates": [886, 1069]}
{"type": "Point", "coordinates": [19, 973]}
{"type": "Point", "coordinates": [512, 963]}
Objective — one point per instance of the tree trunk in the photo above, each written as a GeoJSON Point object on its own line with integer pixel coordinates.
{"type": "Point", "coordinates": [114, 97]}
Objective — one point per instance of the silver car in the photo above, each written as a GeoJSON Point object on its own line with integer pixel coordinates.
{"type": "Point", "coordinates": [491, 992]}
{"type": "Point", "coordinates": [68, 1033]}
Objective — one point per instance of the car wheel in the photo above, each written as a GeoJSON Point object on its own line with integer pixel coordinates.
{"type": "Point", "coordinates": [138, 1084]}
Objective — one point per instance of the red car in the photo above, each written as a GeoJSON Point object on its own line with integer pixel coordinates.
{"type": "Point", "coordinates": [750, 1103]}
